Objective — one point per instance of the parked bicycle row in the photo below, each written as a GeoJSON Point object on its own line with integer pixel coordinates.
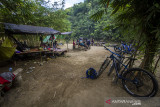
{"type": "Point", "coordinates": [127, 48]}
{"type": "Point", "coordinates": [136, 81]}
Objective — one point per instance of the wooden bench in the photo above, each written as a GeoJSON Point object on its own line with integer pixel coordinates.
{"type": "Point", "coordinates": [57, 52]}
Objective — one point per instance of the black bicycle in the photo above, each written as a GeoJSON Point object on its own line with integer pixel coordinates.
{"type": "Point", "coordinates": [136, 81]}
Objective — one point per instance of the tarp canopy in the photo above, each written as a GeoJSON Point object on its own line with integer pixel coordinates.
{"type": "Point", "coordinates": [28, 29]}
{"type": "Point", "coordinates": [47, 39]}
{"type": "Point", "coordinates": [66, 33]}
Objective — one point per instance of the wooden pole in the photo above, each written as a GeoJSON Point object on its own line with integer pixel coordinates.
{"type": "Point", "coordinates": [67, 45]}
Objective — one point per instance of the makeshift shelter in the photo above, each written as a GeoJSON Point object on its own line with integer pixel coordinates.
{"type": "Point", "coordinates": [67, 38]}
{"type": "Point", "coordinates": [7, 50]}
{"type": "Point", "coordinates": [11, 29]}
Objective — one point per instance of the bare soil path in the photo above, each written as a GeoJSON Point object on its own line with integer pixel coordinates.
{"type": "Point", "coordinates": [58, 83]}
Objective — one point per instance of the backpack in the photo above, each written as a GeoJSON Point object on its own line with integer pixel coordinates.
{"type": "Point", "coordinates": [91, 73]}
{"type": "Point", "coordinates": [6, 79]}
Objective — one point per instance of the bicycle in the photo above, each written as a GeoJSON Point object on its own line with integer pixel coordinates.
{"type": "Point", "coordinates": [132, 78]}
{"type": "Point", "coordinates": [128, 49]}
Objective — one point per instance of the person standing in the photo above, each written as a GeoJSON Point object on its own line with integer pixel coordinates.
{"type": "Point", "coordinates": [74, 44]}
{"type": "Point", "coordinates": [88, 43]}
{"type": "Point", "coordinates": [55, 45]}
{"type": "Point", "coordinates": [92, 41]}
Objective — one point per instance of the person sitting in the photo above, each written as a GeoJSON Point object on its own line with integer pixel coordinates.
{"type": "Point", "coordinates": [88, 43]}
{"type": "Point", "coordinates": [48, 45]}
{"type": "Point", "coordinates": [92, 42]}
{"type": "Point", "coordinates": [55, 45]}
{"type": "Point", "coordinates": [82, 43]}
{"type": "Point", "coordinates": [74, 44]}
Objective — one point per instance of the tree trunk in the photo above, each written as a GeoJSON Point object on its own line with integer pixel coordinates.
{"type": "Point", "coordinates": [151, 48]}
{"type": "Point", "coordinates": [156, 64]}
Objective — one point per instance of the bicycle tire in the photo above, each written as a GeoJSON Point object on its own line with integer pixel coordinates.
{"type": "Point", "coordinates": [103, 67]}
{"type": "Point", "coordinates": [132, 51]}
{"type": "Point", "coordinates": [154, 81]}
{"type": "Point", "coordinates": [110, 70]}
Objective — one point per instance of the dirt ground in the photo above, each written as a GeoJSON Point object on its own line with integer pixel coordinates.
{"type": "Point", "coordinates": [59, 82]}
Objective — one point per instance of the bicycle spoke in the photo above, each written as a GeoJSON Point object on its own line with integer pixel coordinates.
{"type": "Point", "coordinates": [136, 81]}
{"type": "Point", "coordinates": [139, 83]}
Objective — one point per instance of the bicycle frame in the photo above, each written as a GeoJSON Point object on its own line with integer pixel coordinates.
{"type": "Point", "coordinates": [114, 59]}
{"type": "Point", "coordinates": [127, 47]}
{"type": "Point", "coordinates": [135, 77]}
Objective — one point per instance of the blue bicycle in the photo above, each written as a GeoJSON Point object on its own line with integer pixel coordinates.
{"type": "Point", "coordinates": [128, 49]}
{"type": "Point", "coordinates": [136, 81]}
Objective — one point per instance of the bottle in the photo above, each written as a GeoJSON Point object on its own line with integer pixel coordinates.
{"type": "Point", "coordinates": [10, 69]}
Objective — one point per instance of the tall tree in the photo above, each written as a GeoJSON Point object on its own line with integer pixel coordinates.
{"type": "Point", "coordinates": [143, 15]}
{"type": "Point", "coordinates": [83, 26]}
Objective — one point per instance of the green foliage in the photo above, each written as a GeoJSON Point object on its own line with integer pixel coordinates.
{"type": "Point", "coordinates": [84, 26]}
{"type": "Point", "coordinates": [33, 12]}
{"type": "Point", "coordinates": [138, 21]}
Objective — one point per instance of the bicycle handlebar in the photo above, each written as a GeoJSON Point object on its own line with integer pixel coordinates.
{"type": "Point", "coordinates": [111, 51]}
{"type": "Point", "coordinates": [119, 55]}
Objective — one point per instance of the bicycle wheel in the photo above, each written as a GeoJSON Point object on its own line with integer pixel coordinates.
{"type": "Point", "coordinates": [132, 51]}
{"type": "Point", "coordinates": [111, 70]}
{"type": "Point", "coordinates": [103, 67]}
{"type": "Point", "coordinates": [139, 83]}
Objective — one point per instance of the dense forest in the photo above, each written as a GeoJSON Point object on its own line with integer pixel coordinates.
{"type": "Point", "coordinates": [131, 21]}
{"type": "Point", "coordinates": [34, 12]}
{"type": "Point", "coordinates": [83, 26]}
{"type": "Point", "coordinates": [108, 20]}
{"type": "Point", "coordinates": [112, 20]}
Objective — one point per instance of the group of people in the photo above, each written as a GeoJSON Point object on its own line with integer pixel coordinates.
{"type": "Point", "coordinates": [52, 45]}
{"type": "Point", "coordinates": [83, 42]}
